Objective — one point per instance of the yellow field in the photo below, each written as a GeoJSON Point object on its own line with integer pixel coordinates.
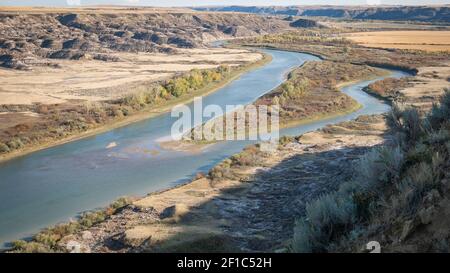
{"type": "Point", "coordinates": [421, 40]}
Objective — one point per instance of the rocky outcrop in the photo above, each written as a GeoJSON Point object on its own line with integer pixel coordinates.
{"type": "Point", "coordinates": [305, 23]}
{"type": "Point", "coordinates": [79, 35]}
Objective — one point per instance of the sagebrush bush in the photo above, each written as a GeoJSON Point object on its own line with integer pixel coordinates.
{"type": "Point", "coordinates": [247, 157]}
{"type": "Point", "coordinates": [50, 236]}
{"type": "Point", "coordinates": [221, 171]}
{"type": "Point", "coordinates": [285, 140]}
{"type": "Point", "coordinates": [15, 143]}
{"type": "Point", "coordinates": [389, 182]}
{"type": "Point", "coordinates": [440, 114]}
{"type": "Point", "coordinates": [30, 247]}
{"type": "Point", "coordinates": [89, 219]}
{"type": "Point", "coordinates": [120, 203]}
{"type": "Point", "coordinates": [407, 123]}
{"type": "Point", "coordinates": [4, 148]}
{"type": "Point", "coordinates": [325, 219]}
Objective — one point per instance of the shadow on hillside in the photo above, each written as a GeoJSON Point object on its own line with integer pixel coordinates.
{"type": "Point", "coordinates": [256, 213]}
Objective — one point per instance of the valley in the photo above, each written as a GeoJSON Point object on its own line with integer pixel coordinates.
{"type": "Point", "coordinates": [364, 142]}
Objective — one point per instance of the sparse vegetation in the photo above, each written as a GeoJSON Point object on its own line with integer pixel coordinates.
{"type": "Point", "coordinates": [4, 148]}
{"type": "Point", "coordinates": [302, 37]}
{"type": "Point", "coordinates": [332, 44]}
{"type": "Point", "coordinates": [250, 156]}
{"type": "Point", "coordinates": [47, 240]}
{"type": "Point", "coordinates": [396, 188]}
{"type": "Point", "coordinates": [61, 120]}
{"type": "Point", "coordinates": [285, 140]}
{"type": "Point", "coordinates": [192, 81]}
{"type": "Point", "coordinates": [311, 91]}
{"type": "Point", "coordinates": [388, 88]}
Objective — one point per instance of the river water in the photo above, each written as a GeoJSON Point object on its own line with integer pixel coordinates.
{"type": "Point", "coordinates": [52, 185]}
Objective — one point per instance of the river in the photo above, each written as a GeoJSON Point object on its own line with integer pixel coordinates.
{"type": "Point", "coordinates": [52, 185]}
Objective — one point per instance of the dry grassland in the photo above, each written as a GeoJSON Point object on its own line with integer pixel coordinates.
{"type": "Point", "coordinates": [95, 80]}
{"type": "Point", "coordinates": [418, 40]}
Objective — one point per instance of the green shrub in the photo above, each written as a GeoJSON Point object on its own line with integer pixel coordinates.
{"type": "Point", "coordinates": [136, 101]}
{"type": "Point", "coordinates": [65, 229]}
{"type": "Point", "coordinates": [388, 186]}
{"type": "Point", "coordinates": [15, 143]}
{"type": "Point", "coordinates": [325, 220]}
{"type": "Point", "coordinates": [285, 140]}
{"type": "Point", "coordinates": [47, 238]}
{"type": "Point", "coordinates": [4, 148]}
{"type": "Point", "coordinates": [125, 111]}
{"type": "Point", "coordinates": [376, 167]}
{"type": "Point", "coordinates": [412, 125]}
{"type": "Point", "coordinates": [30, 247]}
{"type": "Point", "coordinates": [333, 215]}
{"type": "Point", "coordinates": [407, 123]}
{"type": "Point", "coordinates": [440, 114]}
{"type": "Point", "coordinates": [50, 236]}
{"type": "Point", "coordinates": [89, 219]}
{"type": "Point", "coordinates": [220, 172]}
{"type": "Point", "coordinates": [120, 203]}
{"type": "Point", "coordinates": [248, 157]}
{"type": "Point", "coordinates": [19, 244]}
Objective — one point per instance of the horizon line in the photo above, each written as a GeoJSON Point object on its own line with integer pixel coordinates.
{"type": "Point", "coordinates": [206, 6]}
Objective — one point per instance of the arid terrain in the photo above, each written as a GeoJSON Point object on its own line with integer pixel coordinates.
{"type": "Point", "coordinates": [94, 80]}
{"type": "Point", "coordinates": [438, 13]}
{"type": "Point", "coordinates": [81, 47]}
{"type": "Point", "coordinates": [419, 40]}
{"type": "Point", "coordinates": [81, 64]}
{"type": "Point", "coordinates": [378, 177]}
{"type": "Point", "coordinates": [248, 203]}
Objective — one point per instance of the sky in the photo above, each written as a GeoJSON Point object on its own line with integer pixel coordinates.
{"type": "Point", "coordinates": [215, 2]}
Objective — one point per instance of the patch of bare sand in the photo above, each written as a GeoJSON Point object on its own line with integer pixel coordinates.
{"type": "Point", "coordinates": [189, 195]}
{"type": "Point", "coordinates": [364, 131]}
{"type": "Point", "coordinates": [159, 234]}
{"type": "Point", "coordinates": [183, 146]}
{"type": "Point", "coordinates": [428, 86]}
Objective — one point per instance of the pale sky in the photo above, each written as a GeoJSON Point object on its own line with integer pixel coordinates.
{"type": "Point", "coordinates": [215, 2]}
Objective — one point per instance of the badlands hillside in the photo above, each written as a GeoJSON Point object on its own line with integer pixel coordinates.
{"type": "Point", "coordinates": [31, 36]}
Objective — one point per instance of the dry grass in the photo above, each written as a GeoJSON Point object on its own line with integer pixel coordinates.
{"type": "Point", "coordinates": [431, 41]}
{"type": "Point", "coordinates": [365, 25]}
{"type": "Point", "coordinates": [95, 80]}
